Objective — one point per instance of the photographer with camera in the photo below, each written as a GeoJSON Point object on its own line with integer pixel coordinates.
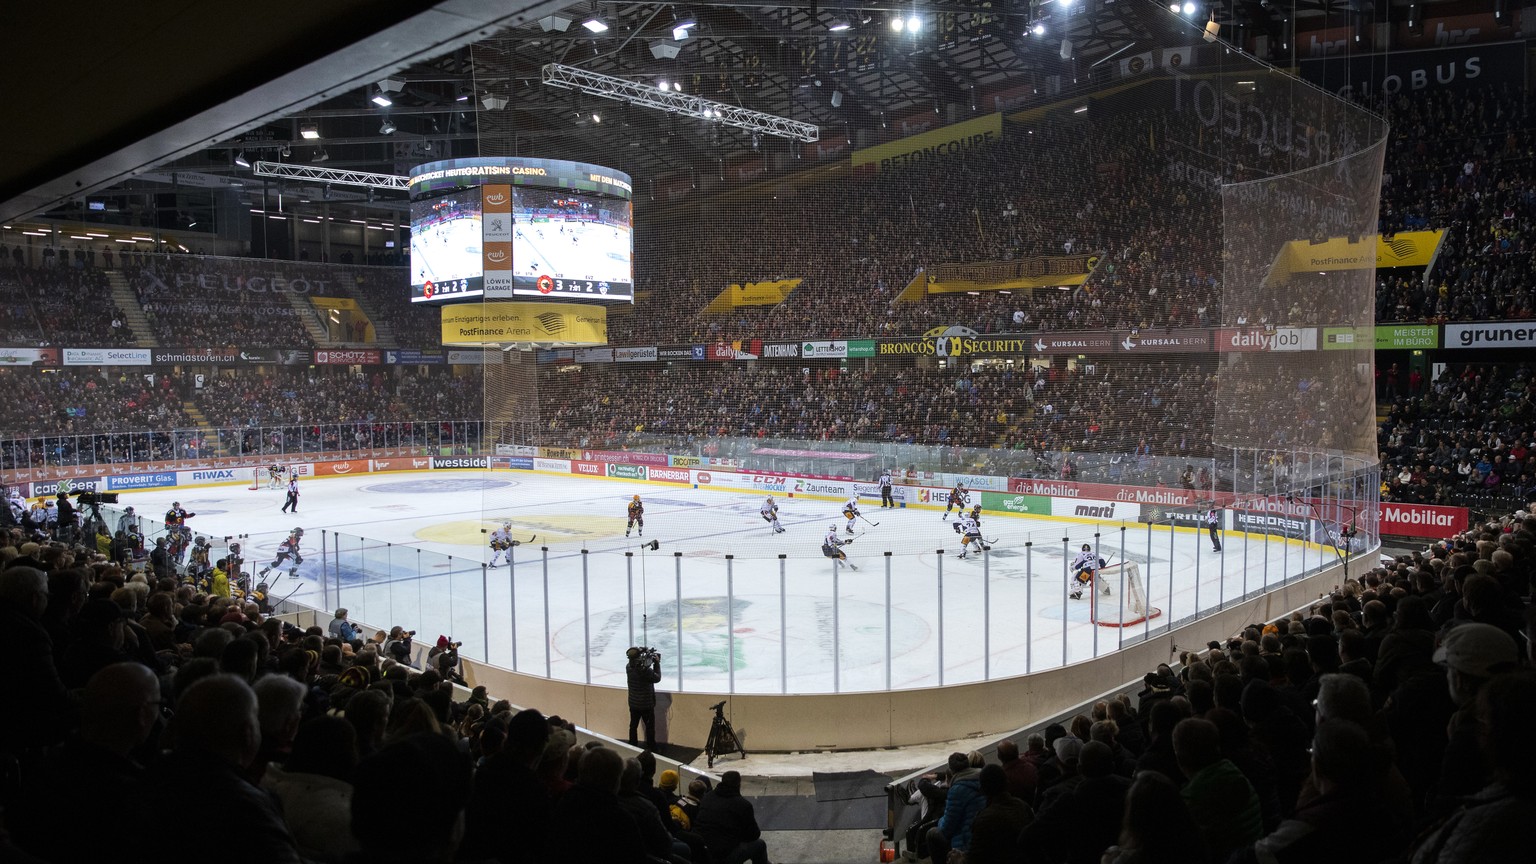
{"type": "Point", "coordinates": [444, 658]}
{"type": "Point", "coordinates": [642, 673]}
{"type": "Point", "coordinates": [398, 646]}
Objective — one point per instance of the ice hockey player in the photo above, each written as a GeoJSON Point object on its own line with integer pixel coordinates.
{"type": "Point", "coordinates": [176, 526]}
{"type": "Point", "coordinates": [275, 475]}
{"type": "Point", "coordinates": [501, 541]}
{"type": "Point", "coordinates": [851, 511]}
{"type": "Point", "coordinates": [831, 546]}
{"type": "Point", "coordinates": [288, 549]}
{"type": "Point", "coordinates": [885, 490]}
{"type": "Point", "coordinates": [957, 500]}
{"type": "Point", "coordinates": [968, 526]}
{"type": "Point", "coordinates": [1085, 571]}
{"type": "Point", "coordinates": [770, 512]}
{"type": "Point", "coordinates": [636, 517]}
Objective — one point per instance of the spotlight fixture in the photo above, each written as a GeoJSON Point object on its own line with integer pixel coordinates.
{"type": "Point", "coordinates": [1212, 29]}
{"type": "Point", "coordinates": [392, 85]}
{"type": "Point", "coordinates": [309, 132]}
{"type": "Point", "coordinates": [492, 102]}
{"type": "Point", "coordinates": [557, 23]}
{"type": "Point", "coordinates": [662, 85]}
{"type": "Point", "coordinates": [838, 25]}
{"type": "Point", "coordinates": [321, 155]}
{"type": "Point", "coordinates": [1189, 8]}
{"type": "Point", "coordinates": [596, 117]}
{"type": "Point", "coordinates": [381, 99]}
{"type": "Point", "coordinates": [914, 24]}
{"type": "Point", "coordinates": [241, 160]}
{"type": "Point", "coordinates": [595, 24]}
{"type": "Point", "coordinates": [387, 127]}
{"type": "Point", "coordinates": [679, 33]}
{"type": "Point", "coordinates": [1038, 29]}
{"type": "Point", "coordinates": [463, 94]}
{"type": "Point", "coordinates": [898, 24]}
{"type": "Point", "coordinates": [665, 49]}
{"type": "Point", "coordinates": [426, 144]}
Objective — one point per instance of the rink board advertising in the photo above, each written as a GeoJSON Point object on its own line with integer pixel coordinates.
{"type": "Point", "coordinates": [501, 228]}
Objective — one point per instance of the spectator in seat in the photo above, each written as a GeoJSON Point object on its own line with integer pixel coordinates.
{"type": "Point", "coordinates": [1347, 820]}
{"type": "Point", "coordinates": [1020, 772]}
{"type": "Point", "coordinates": [953, 831]}
{"type": "Point", "coordinates": [1494, 824]}
{"type": "Point", "coordinates": [98, 642]}
{"type": "Point", "coordinates": [1472, 654]}
{"type": "Point", "coordinates": [1220, 799]}
{"type": "Point", "coordinates": [588, 824]}
{"type": "Point", "coordinates": [1077, 827]}
{"type": "Point", "coordinates": [1157, 828]}
{"type": "Point", "coordinates": [653, 826]}
{"type": "Point", "coordinates": [216, 735]}
{"type": "Point", "coordinates": [729, 826]}
{"type": "Point", "coordinates": [40, 709]}
{"type": "Point", "coordinates": [119, 711]}
{"type": "Point", "coordinates": [314, 786]}
{"type": "Point", "coordinates": [995, 831]}
{"type": "Point", "coordinates": [432, 833]}
{"type": "Point", "coordinates": [1159, 755]}
{"type": "Point", "coordinates": [508, 808]}
{"type": "Point", "coordinates": [343, 629]}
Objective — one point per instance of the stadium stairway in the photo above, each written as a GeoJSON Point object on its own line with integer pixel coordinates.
{"type": "Point", "coordinates": [133, 313]}
{"type": "Point", "coordinates": [309, 315]}
{"type": "Point", "coordinates": [383, 334]}
{"type": "Point", "coordinates": [217, 448]}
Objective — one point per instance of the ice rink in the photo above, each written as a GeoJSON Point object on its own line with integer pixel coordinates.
{"type": "Point", "coordinates": [716, 593]}
{"type": "Point", "coordinates": [590, 251]}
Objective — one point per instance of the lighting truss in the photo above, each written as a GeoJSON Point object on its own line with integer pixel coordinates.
{"type": "Point", "coordinates": [337, 176]}
{"type": "Point", "coordinates": [648, 96]}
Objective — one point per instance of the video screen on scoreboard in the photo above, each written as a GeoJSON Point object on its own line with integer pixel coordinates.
{"type": "Point", "coordinates": [571, 245]}
{"type": "Point", "coordinates": [445, 248]}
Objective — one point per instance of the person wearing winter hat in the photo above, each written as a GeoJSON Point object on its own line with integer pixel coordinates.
{"type": "Point", "coordinates": [728, 824]}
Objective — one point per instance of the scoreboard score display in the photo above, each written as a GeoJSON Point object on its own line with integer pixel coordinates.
{"type": "Point", "coordinates": [505, 228]}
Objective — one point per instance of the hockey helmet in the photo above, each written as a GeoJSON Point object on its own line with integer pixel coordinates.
{"type": "Point", "coordinates": [1086, 547]}
{"type": "Point", "coordinates": [636, 498]}
{"type": "Point", "coordinates": [959, 485]}
{"type": "Point", "coordinates": [975, 508]}
{"type": "Point", "coordinates": [770, 497]}
{"type": "Point", "coordinates": [129, 510]}
{"type": "Point", "coordinates": [832, 527]}
{"type": "Point", "coordinates": [299, 531]}
{"type": "Point", "coordinates": [175, 503]}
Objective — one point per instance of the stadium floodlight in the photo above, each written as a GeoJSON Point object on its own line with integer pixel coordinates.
{"type": "Point", "coordinates": [838, 25]}
{"type": "Point", "coordinates": [687, 105]}
{"type": "Point", "coordinates": [1039, 30]}
{"type": "Point", "coordinates": [241, 160]}
{"type": "Point", "coordinates": [914, 24]}
{"type": "Point", "coordinates": [679, 33]}
{"type": "Point", "coordinates": [492, 102]}
{"type": "Point", "coordinates": [381, 99]}
{"type": "Point", "coordinates": [665, 49]}
{"type": "Point", "coordinates": [1189, 8]}
{"type": "Point", "coordinates": [387, 128]}
{"type": "Point", "coordinates": [557, 23]}
{"type": "Point", "coordinates": [595, 24]}
{"type": "Point", "coordinates": [898, 23]}
{"type": "Point", "coordinates": [309, 132]}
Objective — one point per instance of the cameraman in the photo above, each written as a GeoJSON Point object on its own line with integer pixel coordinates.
{"type": "Point", "coordinates": [398, 646]}
{"type": "Point", "coordinates": [642, 672]}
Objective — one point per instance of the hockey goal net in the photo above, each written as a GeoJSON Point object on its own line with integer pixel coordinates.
{"type": "Point", "coordinates": [1120, 597]}
{"type": "Point", "coordinates": [255, 479]}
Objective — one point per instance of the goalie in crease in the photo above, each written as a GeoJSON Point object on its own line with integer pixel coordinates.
{"type": "Point", "coordinates": [1085, 571]}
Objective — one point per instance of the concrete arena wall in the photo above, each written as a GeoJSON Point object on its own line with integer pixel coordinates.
{"type": "Point", "coordinates": [860, 721]}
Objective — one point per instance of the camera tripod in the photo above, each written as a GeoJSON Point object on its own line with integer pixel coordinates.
{"type": "Point", "coordinates": [722, 738]}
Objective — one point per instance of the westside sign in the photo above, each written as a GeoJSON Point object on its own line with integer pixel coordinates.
{"type": "Point", "coordinates": [461, 462]}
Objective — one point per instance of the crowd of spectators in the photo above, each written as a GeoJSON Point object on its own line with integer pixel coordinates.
{"type": "Point", "coordinates": [197, 301]}
{"type": "Point", "coordinates": [1387, 723]}
{"type": "Point", "coordinates": [152, 695]}
{"type": "Point", "coordinates": [59, 305]}
{"type": "Point", "coordinates": [66, 415]}
{"type": "Point", "coordinates": [1467, 438]}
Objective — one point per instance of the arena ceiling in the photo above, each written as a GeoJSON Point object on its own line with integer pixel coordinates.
{"type": "Point", "coordinates": [179, 90]}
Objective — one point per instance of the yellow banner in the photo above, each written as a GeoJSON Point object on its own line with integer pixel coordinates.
{"type": "Point", "coordinates": [1041, 271]}
{"type": "Point", "coordinates": [1403, 249]}
{"type": "Point", "coordinates": [504, 323]}
{"type": "Point", "coordinates": [944, 141]}
{"type": "Point", "coordinates": [343, 303]}
{"type": "Point", "coordinates": [752, 294]}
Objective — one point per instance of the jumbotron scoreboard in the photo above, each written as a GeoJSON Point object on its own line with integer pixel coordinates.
{"type": "Point", "coordinates": [521, 229]}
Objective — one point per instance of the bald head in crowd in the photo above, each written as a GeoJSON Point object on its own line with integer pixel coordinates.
{"type": "Point", "coordinates": [217, 716]}
{"type": "Point", "coordinates": [121, 704]}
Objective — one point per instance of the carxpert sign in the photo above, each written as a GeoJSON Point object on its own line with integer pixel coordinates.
{"type": "Point", "coordinates": [67, 485]}
{"type": "Point", "coordinates": [141, 481]}
{"type": "Point", "coordinates": [460, 462]}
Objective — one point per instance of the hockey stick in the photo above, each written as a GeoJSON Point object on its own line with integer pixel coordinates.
{"type": "Point", "coordinates": [872, 524]}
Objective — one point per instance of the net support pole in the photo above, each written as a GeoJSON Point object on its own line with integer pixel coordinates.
{"type": "Point", "coordinates": [837, 654]}
{"type": "Point", "coordinates": [1120, 636]}
{"type": "Point", "coordinates": [548, 645]}
{"type": "Point", "coordinates": [485, 612]}
{"type": "Point", "coordinates": [941, 616]}
{"type": "Point", "coordinates": [887, 616]}
{"type": "Point", "coordinates": [1093, 593]}
{"type": "Point", "coordinates": [390, 592]}
{"type": "Point", "coordinates": [1197, 575]}
{"type": "Point", "coordinates": [784, 630]}
{"type": "Point", "coordinates": [1066, 600]}
{"type": "Point", "coordinates": [1029, 604]}
{"type": "Point", "coordinates": [677, 605]}
{"type": "Point", "coordinates": [325, 587]}
{"type": "Point", "coordinates": [1146, 630]}
{"type": "Point", "coordinates": [986, 614]}
{"type": "Point", "coordinates": [730, 623]}
{"type": "Point", "coordinates": [586, 620]}
{"type": "Point", "coordinates": [512, 601]}
{"type": "Point", "coordinates": [1171, 533]}
{"type": "Point", "coordinates": [629, 587]}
